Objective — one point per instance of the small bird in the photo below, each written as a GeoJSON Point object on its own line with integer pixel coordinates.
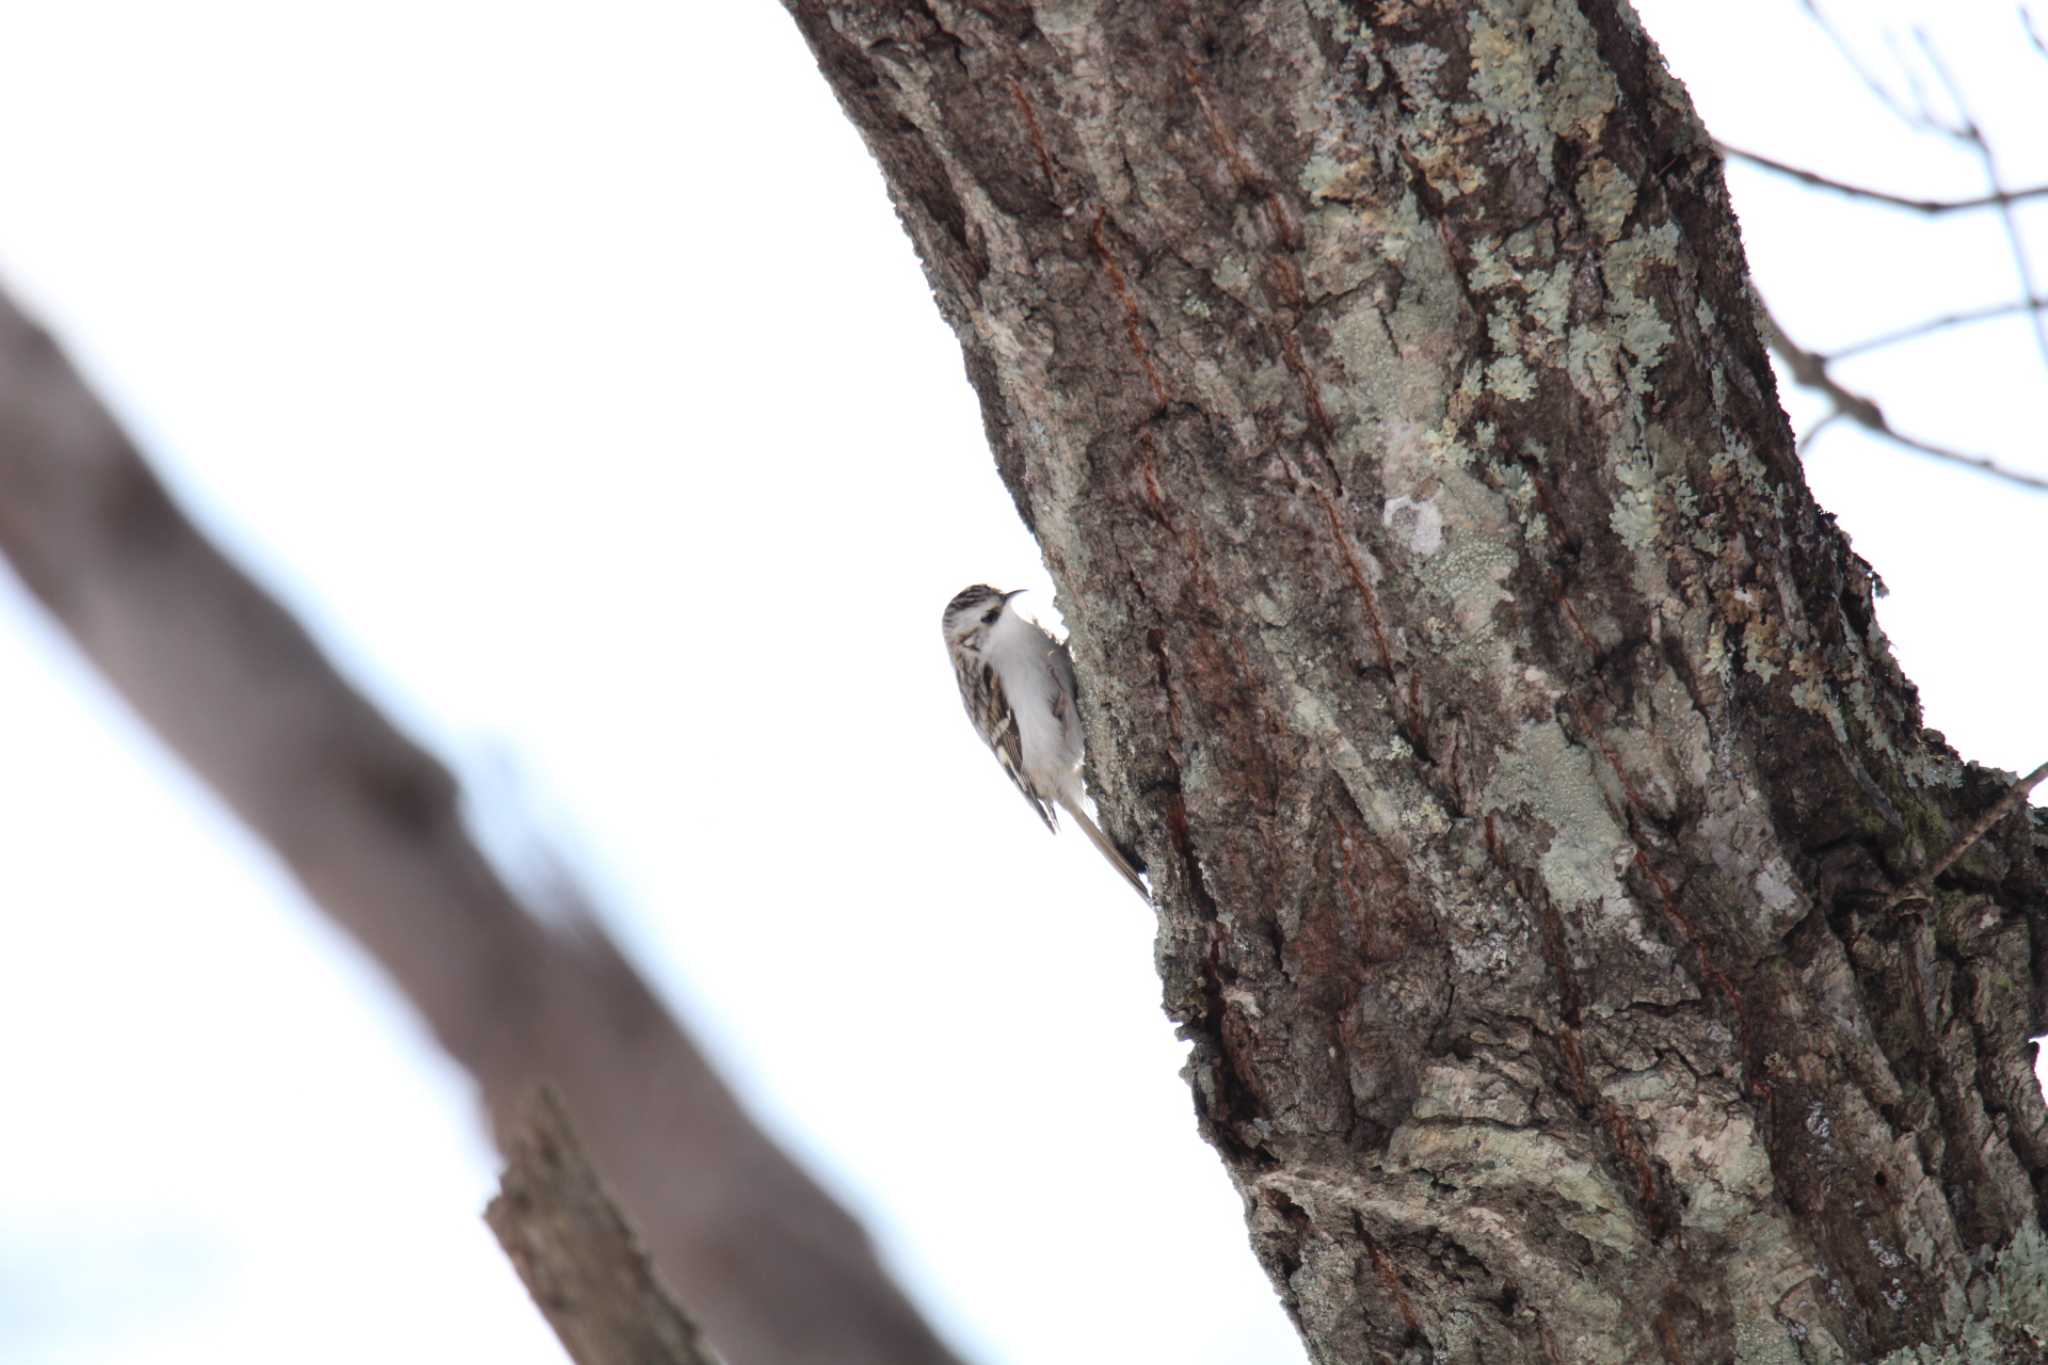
{"type": "Point", "coordinates": [1018, 685]}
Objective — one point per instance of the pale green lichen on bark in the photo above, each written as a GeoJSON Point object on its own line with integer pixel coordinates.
{"type": "Point", "coordinates": [2001, 1315]}
{"type": "Point", "coordinates": [1415, 66]}
{"type": "Point", "coordinates": [1634, 320]}
{"type": "Point", "coordinates": [1310, 716]}
{"type": "Point", "coordinates": [1549, 300]}
{"type": "Point", "coordinates": [1536, 68]}
{"type": "Point", "coordinates": [1572, 1185]}
{"type": "Point", "coordinates": [1634, 517]}
{"type": "Point", "coordinates": [1445, 445]}
{"type": "Point", "coordinates": [1345, 23]}
{"type": "Point", "coordinates": [1469, 571]}
{"type": "Point", "coordinates": [1715, 1148]}
{"type": "Point", "coordinates": [1464, 1091]}
{"type": "Point", "coordinates": [1490, 269]}
{"type": "Point", "coordinates": [1507, 374]}
{"type": "Point", "coordinates": [1606, 197]}
{"type": "Point", "coordinates": [1554, 780]}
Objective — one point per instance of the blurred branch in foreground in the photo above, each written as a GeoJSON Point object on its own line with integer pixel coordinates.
{"type": "Point", "coordinates": [1931, 207]}
{"type": "Point", "coordinates": [1810, 369]}
{"type": "Point", "coordinates": [1970, 133]}
{"type": "Point", "coordinates": [1956, 123]}
{"type": "Point", "coordinates": [367, 822]}
{"type": "Point", "coordinates": [575, 1253]}
{"type": "Point", "coordinates": [1941, 324]}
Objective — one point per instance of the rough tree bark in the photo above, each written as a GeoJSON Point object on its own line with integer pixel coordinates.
{"type": "Point", "coordinates": [1520, 765]}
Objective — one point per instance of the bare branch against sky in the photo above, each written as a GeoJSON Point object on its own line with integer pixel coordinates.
{"type": "Point", "coordinates": [1956, 122]}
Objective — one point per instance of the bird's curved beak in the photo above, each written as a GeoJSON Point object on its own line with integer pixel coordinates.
{"type": "Point", "coordinates": [1014, 592]}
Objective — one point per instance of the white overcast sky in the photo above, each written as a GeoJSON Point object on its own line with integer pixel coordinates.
{"type": "Point", "coordinates": [565, 368]}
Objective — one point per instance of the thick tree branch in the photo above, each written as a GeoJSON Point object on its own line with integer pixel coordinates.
{"type": "Point", "coordinates": [576, 1254]}
{"type": "Point", "coordinates": [368, 824]}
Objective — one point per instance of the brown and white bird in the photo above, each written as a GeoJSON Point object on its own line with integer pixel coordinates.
{"type": "Point", "coordinates": [1018, 685]}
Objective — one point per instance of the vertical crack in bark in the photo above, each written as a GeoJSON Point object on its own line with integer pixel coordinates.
{"type": "Point", "coordinates": [1134, 320]}
{"type": "Point", "coordinates": [1388, 1276]}
{"type": "Point", "coordinates": [1052, 179]}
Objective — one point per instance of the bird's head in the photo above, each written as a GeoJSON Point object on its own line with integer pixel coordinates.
{"type": "Point", "coordinates": [972, 613]}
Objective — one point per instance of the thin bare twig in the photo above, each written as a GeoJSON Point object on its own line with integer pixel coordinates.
{"type": "Point", "coordinates": [1827, 419]}
{"type": "Point", "coordinates": [1930, 121]}
{"type": "Point", "coordinates": [1918, 887]}
{"type": "Point", "coordinates": [1811, 370]}
{"type": "Point", "coordinates": [1959, 125]}
{"type": "Point", "coordinates": [1947, 320]}
{"type": "Point", "coordinates": [1973, 134]}
{"type": "Point", "coordinates": [1877, 88]}
{"type": "Point", "coordinates": [1998, 199]}
{"type": "Point", "coordinates": [576, 1254]}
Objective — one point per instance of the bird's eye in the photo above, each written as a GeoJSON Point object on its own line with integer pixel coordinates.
{"type": "Point", "coordinates": [990, 619]}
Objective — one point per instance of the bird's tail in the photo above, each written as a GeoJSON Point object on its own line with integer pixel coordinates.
{"type": "Point", "coordinates": [1102, 841]}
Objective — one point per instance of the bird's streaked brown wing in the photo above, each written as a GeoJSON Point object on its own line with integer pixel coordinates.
{"type": "Point", "coordinates": [981, 691]}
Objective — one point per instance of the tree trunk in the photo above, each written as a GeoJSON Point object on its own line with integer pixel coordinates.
{"type": "Point", "coordinates": [1523, 774]}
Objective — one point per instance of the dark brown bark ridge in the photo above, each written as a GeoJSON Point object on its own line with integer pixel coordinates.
{"type": "Point", "coordinates": [1509, 734]}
